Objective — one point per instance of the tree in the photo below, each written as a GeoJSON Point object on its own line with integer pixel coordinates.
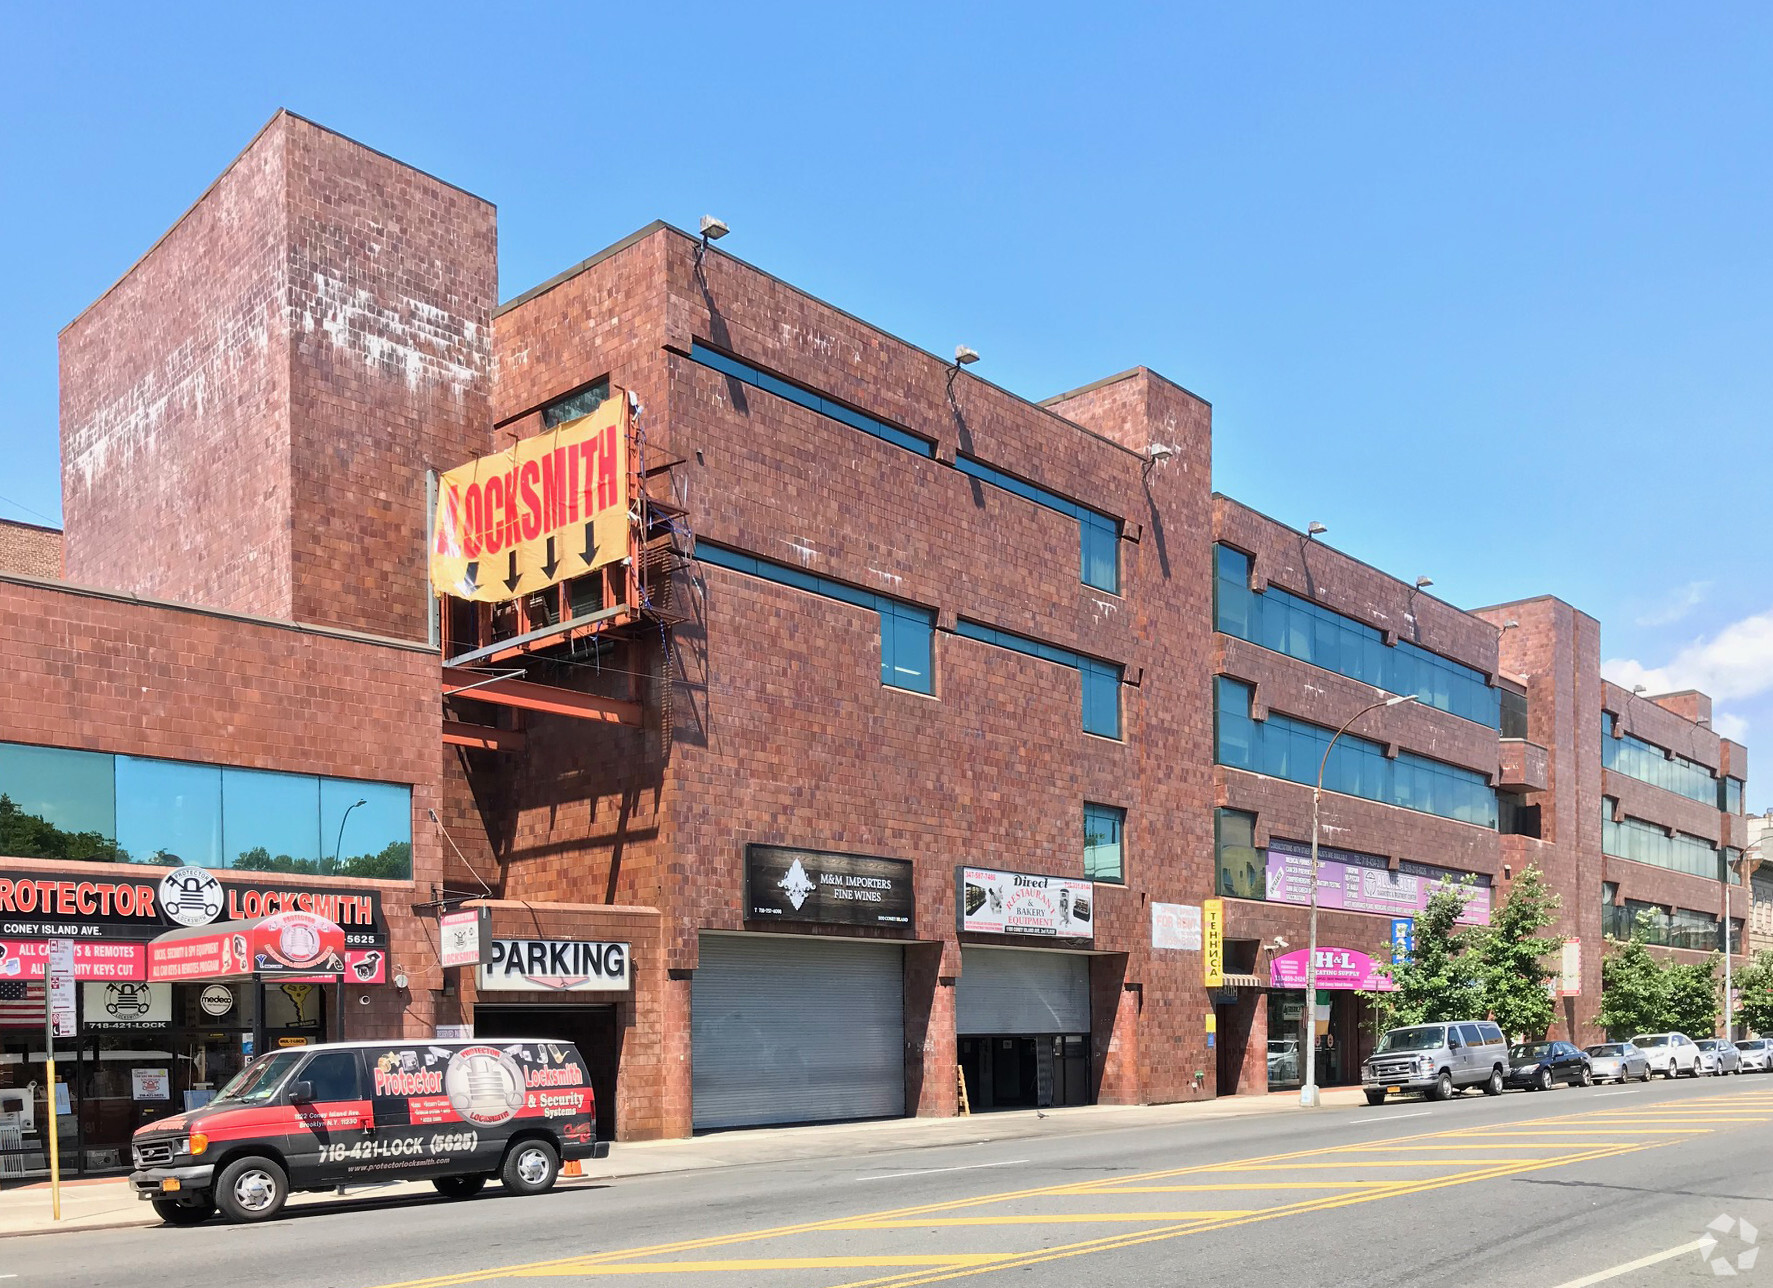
{"type": "Point", "coordinates": [1693, 1001]}
{"type": "Point", "coordinates": [1754, 1012]}
{"type": "Point", "coordinates": [1634, 990]}
{"type": "Point", "coordinates": [1513, 955]}
{"type": "Point", "coordinates": [1441, 979]}
{"type": "Point", "coordinates": [26, 835]}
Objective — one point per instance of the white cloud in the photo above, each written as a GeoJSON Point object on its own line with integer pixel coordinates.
{"type": "Point", "coordinates": [1734, 665]}
{"type": "Point", "coordinates": [1679, 603]}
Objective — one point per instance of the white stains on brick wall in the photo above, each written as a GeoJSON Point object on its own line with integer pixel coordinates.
{"type": "Point", "coordinates": [173, 391]}
{"type": "Point", "coordinates": [1102, 609]}
{"type": "Point", "coordinates": [802, 549]}
{"type": "Point", "coordinates": [421, 343]}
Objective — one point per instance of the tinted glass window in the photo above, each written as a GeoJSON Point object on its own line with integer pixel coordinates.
{"type": "Point", "coordinates": [1470, 1033]}
{"type": "Point", "coordinates": [57, 804]}
{"type": "Point", "coordinates": [573, 406]}
{"type": "Point", "coordinates": [334, 1076]}
{"type": "Point", "coordinates": [169, 811]}
{"type": "Point", "coordinates": [1242, 870]}
{"type": "Point", "coordinates": [1491, 1032]}
{"type": "Point", "coordinates": [1104, 826]}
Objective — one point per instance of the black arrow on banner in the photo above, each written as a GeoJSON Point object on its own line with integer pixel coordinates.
{"type": "Point", "coordinates": [590, 544]}
{"type": "Point", "coordinates": [553, 563]}
{"type": "Point", "coordinates": [512, 579]}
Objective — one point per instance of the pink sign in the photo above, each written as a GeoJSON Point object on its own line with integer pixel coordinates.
{"type": "Point", "coordinates": [1363, 883]}
{"type": "Point", "coordinates": [1339, 968]}
{"type": "Point", "coordinates": [103, 959]}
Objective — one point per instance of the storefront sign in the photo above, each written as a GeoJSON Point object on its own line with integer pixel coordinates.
{"type": "Point", "coordinates": [1571, 984]}
{"type": "Point", "coordinates": [150, 1084]}
{"type": "Point", "coordinates": [1337, 968]}
{"type": "Point", "coordinates": [464, 938]}
{"type": "Point", "coordinates": [289, 944]}
{"type": "Point", "coordinates": [1018, 903]}
{"type": "Point", "coordinates": [97, 902]}
{"type": "Point", "coordinates": [556, 966]}
{"type": "Point", "coordinates": [26, 959]}
{"type": "Point", "coordinates": [1364, 883]}
{"type": "Point", "coordinates": [785, 884]}
{"type": "Point", "coordinates": [1213, 942]}
{"type": "Point", "coordinates": [1175, 925]}
{"type": "Point", "coordinates": [551, 507]}
{"type": "Point", "coordinates": [126, 1004]}
{"type": "Point", "coordinates": [216, 1000]}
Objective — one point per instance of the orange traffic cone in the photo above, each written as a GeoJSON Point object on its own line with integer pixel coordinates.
{"type": "Point", "coordinates": [572, 1167]}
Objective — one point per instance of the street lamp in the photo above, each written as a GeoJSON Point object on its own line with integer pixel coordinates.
{"type": "Point", "coordinates": [338, 845]}
{"type": "Point", "coordinates": [1308, 1097]}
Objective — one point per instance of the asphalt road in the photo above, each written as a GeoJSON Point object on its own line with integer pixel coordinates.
{"type": "Point", "coordinates": [1528, 1189]}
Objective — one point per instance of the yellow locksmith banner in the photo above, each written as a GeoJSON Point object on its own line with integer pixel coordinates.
{"type": "Point", "coordinates": [551, 507]}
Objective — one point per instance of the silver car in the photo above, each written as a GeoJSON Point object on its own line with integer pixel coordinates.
{"type": "Point", "coordinates": [1719, 1056]}
{"type": "Point", "coordinates": [1618, 1062]}
{"type": "Point", "coordinates": [1757, 1055]}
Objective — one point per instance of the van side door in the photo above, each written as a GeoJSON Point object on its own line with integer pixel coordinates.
{"type": "Point", "coordinates": [330, 1139]}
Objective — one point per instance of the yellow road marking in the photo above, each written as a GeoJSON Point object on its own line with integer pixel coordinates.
{"type": "Point", "coordinates": [768, 1263]}
{"type": "Point", "coordinates": [1394, 1162]}
{"type": "Point", "coordinates": [1047, 1218]}
{"type": "Point", "coordinates": [1201, 1189]}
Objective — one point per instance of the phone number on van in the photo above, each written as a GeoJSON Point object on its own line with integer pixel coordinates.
{"type": "Point", "coordinates": [401, 1147]}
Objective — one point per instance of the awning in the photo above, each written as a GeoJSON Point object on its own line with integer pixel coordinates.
{"type": "Point", "coordinates": [280, 946]}
{"type": "Point", "coordinates": [1243, 981]}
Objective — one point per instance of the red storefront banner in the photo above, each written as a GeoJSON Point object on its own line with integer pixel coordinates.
{"type": "Point", "coordinates": [288, 945]}
{"type": "Point", "coordinates": [98, 960]}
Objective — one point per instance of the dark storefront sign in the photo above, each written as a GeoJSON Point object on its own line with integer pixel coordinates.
{"type": "Point", "coordinates": [816, 886]}
{"type": "Point", "coordinates": [132, 903]}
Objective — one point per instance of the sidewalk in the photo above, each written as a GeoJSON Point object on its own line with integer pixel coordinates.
{"type": "Point", "coordinates": [110, 1203]}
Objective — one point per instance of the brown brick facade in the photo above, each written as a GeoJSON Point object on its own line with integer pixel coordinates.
{"type": "Point", "coordinates": [29, 550]}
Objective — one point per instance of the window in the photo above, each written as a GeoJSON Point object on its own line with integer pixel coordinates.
{"type": "Point", "coordinates": [1730, 795]}
{"type": "Point", "coordinates": [1100, 680]}
{"type": "Point", "coordinates": [1514, 712]}
{"type": "Point", "coordinates": [905, 629]}
{"type": "Point", "coordinates": [333, 1076]}
{"type": "Point", "coordinates": [88, 805]}
{"type": "Point", "coordinates": [1287, 623]}
{"type": "Point", "coordinates": [573, 406]}
{"type": "Point", "coordinates": [1099, 542]}
{"type": "Point", "coordinates": [1242, 868]}
{"type": "Point", "coordinates": [757, 378]}
{"type": "Point", "coordinates": [1648, 763]}
{"type": "Point", "coordinates": [1104, 826]}
{"type": "Point", "coordinates": [1514, 817]}
{"type": "Point", "coordinates": [1633, 838]}
{"type": "Point", "coordinates": [1282, 747]}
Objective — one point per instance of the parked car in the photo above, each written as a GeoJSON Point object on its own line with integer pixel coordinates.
{"type": "Point", "coordinates": [1670, 1054]}
{"type": "Point", "coordinates": [1437, 1060]}
{"type": "Point", "coordinates": [1538, 1066]}
{"type": "Point", "coordinates": [1719, 1056]}
{"type": "Point", "coordinates": [455, 1113]}
{"type": "Point", "coordinates": [1618, 1062]}
{"type": "Point", "coordinates": [1757, 1055]}
{"type": "Point", "coordinates": [1283, 1060]}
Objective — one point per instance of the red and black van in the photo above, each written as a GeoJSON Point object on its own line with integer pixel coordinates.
{"type": "Point", "coordinates": [454, 1112]}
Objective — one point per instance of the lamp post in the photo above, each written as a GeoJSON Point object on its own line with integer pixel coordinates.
{"type": "Point", "coordinates": [1308, 1097]}
{"type": "Point", "coordinates": [1729, 1007]}
{"type": "Point", "coordinates": [338, 845]}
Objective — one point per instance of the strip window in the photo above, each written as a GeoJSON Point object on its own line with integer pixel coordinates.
{"type": "Point", "coordinates": [802, 397]}
{"type": "Point", "coordinates": [905, 629]}
{"type": "Point", "coordinates": [1642, 842]}
{"type": "Point", "coordinates": [1099, 535]}
{"type": "Point", "coordinates": [1101, 680]}
{"type": "Point", "coordinates": [1645, 761]}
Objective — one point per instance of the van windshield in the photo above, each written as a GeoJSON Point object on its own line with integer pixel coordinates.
{"type": "Point", "coordinates": [1426, 1038]}
{"type": "Point", "coordinates": [258, 1082]}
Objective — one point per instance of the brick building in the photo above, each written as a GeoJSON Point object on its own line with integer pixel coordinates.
{"type": "Point", "coordinates": [903, 745]}
{"type": "Point", "coordinates": [30, 549]}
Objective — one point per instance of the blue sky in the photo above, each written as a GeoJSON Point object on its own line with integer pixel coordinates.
{"type": "Point", "coordinates": [1487, 291]}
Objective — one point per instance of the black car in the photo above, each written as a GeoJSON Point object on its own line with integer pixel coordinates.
{"type": "Point", "coordinates": [1537, 1065]}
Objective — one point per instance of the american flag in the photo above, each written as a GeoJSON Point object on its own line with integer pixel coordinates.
{"type": "Point", "coordinates": [21, 1004]}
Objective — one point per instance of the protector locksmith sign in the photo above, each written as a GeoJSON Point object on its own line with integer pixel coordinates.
{"type": "Point", "coordinates": [817, 886]}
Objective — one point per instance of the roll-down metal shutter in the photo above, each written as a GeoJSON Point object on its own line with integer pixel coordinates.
{"type": "Point", "coordinates": [1007, 990]}
{"type": "Point", "coordinates": [796, 1030]}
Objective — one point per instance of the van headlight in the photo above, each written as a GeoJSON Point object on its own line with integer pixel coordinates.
{"type": "Point", "coordinates": [192, 1145]}
{"type": "Point", "coordinates": [1425, 1063]}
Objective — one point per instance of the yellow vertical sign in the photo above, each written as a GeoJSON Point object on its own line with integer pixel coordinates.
{"type": "Point", "coordinates": [1212, 942]}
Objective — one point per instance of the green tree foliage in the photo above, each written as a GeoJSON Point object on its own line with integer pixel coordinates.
{"type": "Point", "coordinates": [1512, 955]}
{"type": "Point", "coordinates": [27, 836]}
{"type": "Point", "coordinates": [1693, 996]}
{"type": "Point", "coordinates": [1634, 990]}
{"type": "Point", "coordinates": [1754, 1012]}
{"type": "Point", "coordinates": [1441, 980]}
{"type": "Point", "coordinates": [392, 863]}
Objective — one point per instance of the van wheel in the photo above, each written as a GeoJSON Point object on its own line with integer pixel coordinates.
{"type": "Point", "coordinates": [459, 1187]}
{"type": "Point", "coordinates": [251, 1189]}
{"type": "Point", "coordinates": [530, 1167]}
{"type": "Point", "coordinates": [184, 1211]}
{"type": "Point", "coordinates": [1494, 1086]}
{"type": "Point", "coordinates": [1443, 1087]}
{"type": "Point", "coordinates": [1375, 1097]}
